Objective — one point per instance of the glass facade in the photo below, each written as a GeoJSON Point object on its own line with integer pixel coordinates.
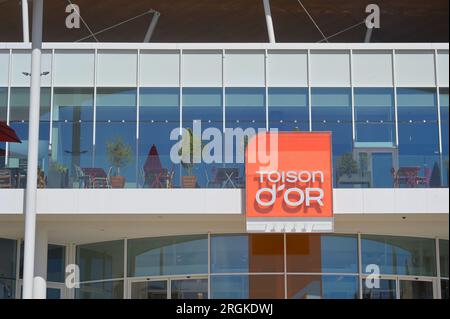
{"type": "Point", "coordinates": [252, 266]}
{"type": "Point", "coordinates": [114, 131]}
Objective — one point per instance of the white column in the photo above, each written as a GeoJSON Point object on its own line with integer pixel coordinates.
{"type": "Point", "coordinates": [25, 23]}
{"type": "Point", "coordinates": [269, 22]}
{"type": "Point", "coordinates": [40, 264]}
{"type": "Point", "coordinates": [33, 141]}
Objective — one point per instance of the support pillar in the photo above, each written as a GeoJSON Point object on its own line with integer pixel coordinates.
{"type": "Point", "coordinates": [33, 149]}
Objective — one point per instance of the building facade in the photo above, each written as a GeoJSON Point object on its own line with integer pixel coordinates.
{"type": "Point", "coordinates": [110, 109]}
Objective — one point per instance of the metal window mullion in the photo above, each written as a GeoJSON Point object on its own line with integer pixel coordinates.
{"type": "Point", "coordinates": [17, 281]}
{"type": "Point", "coordinates": [125, 268]}
{"type": "Point", "coordinates": [438, 97]}
{"type": "Point", "coordinates": [394, 83]}
{"type": "Point", "coordinates": [8, 102]}
{"type": "Point", "coordinates": [438, 269]}
{"type": "Point", "coordinates": [180, 84]}
{"type": "Point", "coordinates": [52, 71]}
{"type": "Point", "coordinates": [308, 72]}
{"type": "Point", "coordinates": [285, 267]}
{"type": "Point", "coordinates": [352, 87]}
{"type": "Point", "coordinates": [138, 110]}
{"type": "Point", "coordinates": [266, 88]}
{"type": "Point", "coordinates": [223, 95]}
{"type": "Point", "coordinates": [209, 265]}
{"type": "Point", "coordinates": [94, 124]}
{"type": "Point", "coordinates": [360, 271]}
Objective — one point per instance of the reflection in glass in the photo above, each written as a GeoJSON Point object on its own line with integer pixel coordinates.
{"type": "Point", "coordinates": [115, 145]}
{"type": "Point", "coordinates": [19, 112]}
{"type": "Point", "coordinates": [159, 114]}
{"type": "Point", "coordinates": [322, 287]}
{"type": "Point", "coordinates": [245, 108]}
{"type": "Point", "coordinates": [56, 269]}
{"type": "Point", "coordinates": [73, 113]}
{"type": "Point", "coordinates": [399, 256]}
{"type": "Point", "coordinates": [149, 290]}
{"type": "Point", "coordinates": [189, 289]}
{"type": "Point", "coordinates": [100, 261]}
{"type": "Point", "coordinates": [419, 136]}
{"type": "Point", "coordinates": [168, 256]}
{"type": "Point", "coordinates": [100, 290]}
{"type": "Point", "coordinates": [289, 109]}
{"type": "Point", "coordinates": [322, 253]}
{"type": "Point", "coordinates": [375, 117]}
{"type": "Point", "coordinates": [247, 253]}
{"type": "Point", "coordinates": [247, 287]}
{"type": "Point", "coordinates": [204, 106]}
{"type": "Point", "coordinates": [416, 289]}
{"type": "Point", "coordinates": [386, 290]}
{"type": "Point", "coordinates": [332, 111]}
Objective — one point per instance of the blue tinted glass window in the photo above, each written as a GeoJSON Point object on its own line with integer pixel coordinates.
{"type": "Point", "coordinates": [56, 263]}
{"type": "Point", "coordinates": [100, 261]}
{"type": "Point", "coordinates": [19, 113]}
{"type": "Point", "coordinates": [72, 131]}
{"type": "Point", "coordinates": [159, 114]}
{"type": "Point", "coordinates": [322, 287]}
{"type": "Point", "coordinates": [204, 106]}
{"type": "Point", "coordinates": [168, 256]}
{"type": "Point", "coordinates": [322, 253]}
{"type": "Point", "coordinates": [399, 256]}
{"type": "Point", "coordinates": [289, 109]}
{"type": "Point", "coordinates": [245, 107]}
{"type": "Point", "coordinates": [247, 287]}
{"type": "Point", "coordinates": [229, 254]}
{"type": "Point", "coordinates": [375, 117]}
{"type": "Point", "coordinates": [332, 111]}
{"type": "Point", "coordinates": [116, 126]}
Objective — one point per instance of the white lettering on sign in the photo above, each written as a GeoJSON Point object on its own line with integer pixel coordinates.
{"type": "Point", "coordinates": [287, 184]}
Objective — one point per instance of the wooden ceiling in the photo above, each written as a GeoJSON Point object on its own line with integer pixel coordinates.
{"type": "Point", "coordinates": [236, 20]}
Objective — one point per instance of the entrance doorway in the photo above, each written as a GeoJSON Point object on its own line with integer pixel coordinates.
{"type": "Point", "coordinates": [398, 287]}
{"type": "Point", "coordinates": [168, 288]}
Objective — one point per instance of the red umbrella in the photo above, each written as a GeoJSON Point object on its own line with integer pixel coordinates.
{"type": "Point", "coordinates": [7, 134]}
{"type": "Point", "coordinates": [153, 162]}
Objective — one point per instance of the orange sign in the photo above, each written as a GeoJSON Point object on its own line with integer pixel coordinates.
{"type": "Point", "coordinates": [289, 182]}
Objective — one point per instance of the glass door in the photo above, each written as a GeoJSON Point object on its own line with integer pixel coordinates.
{"type": "Point", "coordinates": [169, 288]}
{"type": "Point", "coordinates": [189, 289]}
{"type": "Point", "coordinates": [416, 289]}
{"type": "Point", "coordinates": [376, 166]}
{"type": "Point", "coordinates": [150, 289]}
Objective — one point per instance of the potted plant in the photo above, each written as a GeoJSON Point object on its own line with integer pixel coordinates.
{"type": "Point", "coordinates": [119, 155]}
{"type": "Point", "coordinates": [58, 176]}
{"type": "Point", "coordinates": [346, 166]}
{"type": "Point", "coordinates": [189, 180]}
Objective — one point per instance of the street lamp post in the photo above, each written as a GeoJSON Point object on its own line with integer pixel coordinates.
{"type": "Point", "coordinates": [33, 149]}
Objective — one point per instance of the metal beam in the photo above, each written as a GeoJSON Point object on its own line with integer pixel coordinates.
{"type": "Point", "coordinates": [152, 26]}
{"type": "Point", "coordinates": [269, 22]}
{"type": "Point", "coordinates": [368, 37]}
{"type": "Point", "coordinates": [33, 148]}
{"type": "Point", "coordinates": [25, 22]}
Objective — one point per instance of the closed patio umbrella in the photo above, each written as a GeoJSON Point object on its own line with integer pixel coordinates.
{"type": "Point", "coordinates": [7, 134]}
{"type": "Point", "coordinates": [153, 162]}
